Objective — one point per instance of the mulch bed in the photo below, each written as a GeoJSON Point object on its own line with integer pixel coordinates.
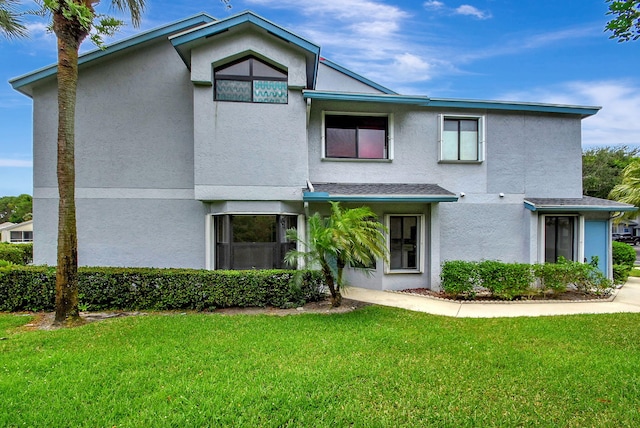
{"type": "Point", "coordinates": [569, 295]}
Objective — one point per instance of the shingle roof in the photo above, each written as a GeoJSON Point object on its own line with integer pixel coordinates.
{"type": "Point", "coordinates": [586, 203]}
{"type": "Point", "coordinates": [379, 192]}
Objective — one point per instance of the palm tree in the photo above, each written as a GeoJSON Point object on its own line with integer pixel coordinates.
{"type": "Point", "coordinates": [72, 23]}
{"type": "Point", "coordinates": [628, 191]}
{"type": "Point", "coordinates": [348, 237]}
{"type": "Point", "coordinates": [10, 20]}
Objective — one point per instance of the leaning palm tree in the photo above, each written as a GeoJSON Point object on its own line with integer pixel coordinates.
{"type": "Point", "coordinates": [73, 21]}
{"type": "Point", "coordinates": [348, 237]}
{"type": "Point", "coordinates": [11, 19]}
{"type": "Point", "coordinates": [628, 191]}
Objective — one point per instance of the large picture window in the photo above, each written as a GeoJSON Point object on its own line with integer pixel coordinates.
{"type": "Point", "coordinates": [461, 139]}
{"type": "Point", "coordinates": [253, 241]}
{"type": "Point", "coordinates": [404, 242]}
{"type": "Point", "coordinates": [559, 238]}
{"type": "Point", "coordinates": [356, 137]}
{"type": "Point", "coordinates": [21, 237]}
{"type": "Point", "coordinates": [250, 80]}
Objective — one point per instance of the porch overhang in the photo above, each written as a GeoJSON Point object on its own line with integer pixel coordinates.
{"type": "Point", "coordinates": [586, 203]}
{"type": "Point", "coordinates": [377, 193]}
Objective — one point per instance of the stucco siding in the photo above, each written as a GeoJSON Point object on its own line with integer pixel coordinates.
{"type": "Point", "coordinates": [128, 232]}
{"type": "Point", "coordinates": [330, 79]}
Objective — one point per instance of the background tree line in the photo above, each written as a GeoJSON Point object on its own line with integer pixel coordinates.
{"type": "Point", "coordinates": [16, 209]}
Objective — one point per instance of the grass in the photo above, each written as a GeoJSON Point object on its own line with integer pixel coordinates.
{"type": "Point", "coordinates": [374, 367]}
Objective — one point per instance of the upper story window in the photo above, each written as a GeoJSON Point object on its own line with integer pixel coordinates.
{"type": "Point", "coordinates": [250, 80]}
{"type": "Point", "coordinates": [462, 138]}
{"type": "Point", "coordinates": [357, 136]}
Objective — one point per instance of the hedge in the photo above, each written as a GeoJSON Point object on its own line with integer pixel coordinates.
{"type": "Point", "coordinates": [624, 257]}
{"type": "Point", "coordinates": [508, 281]}
{"type": "Point", "coordinates": [32, 288]}
{"type": "Point", "coordinates": [20, 254]}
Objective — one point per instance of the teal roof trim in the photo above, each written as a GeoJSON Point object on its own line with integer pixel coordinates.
{"type": "Point", "coordinates": [248, 17]}
{"type": "Point", "coordinates": [356, 76]}
{"type": "Point", "coordinates": [425, 101]}
{"type": "Point", "coordinates": [326, 197]}
{"type": "Point", "coordinates": [583, 111]}
{"type": "Point", "coordinates": [577, 208]}
{"type": "Point", "coordinates": [360, 97]}
{"type": "Point", "coordinates": [20, 82]}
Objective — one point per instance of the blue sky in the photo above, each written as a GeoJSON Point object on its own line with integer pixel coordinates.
{"type": "Point", "coordinates": [551, 51]}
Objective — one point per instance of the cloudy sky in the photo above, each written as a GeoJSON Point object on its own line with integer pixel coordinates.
{"type": "Point", "coordinates": [551, 51]}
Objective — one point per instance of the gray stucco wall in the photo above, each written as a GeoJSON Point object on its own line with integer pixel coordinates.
{"type": "Point", "coordinates": [134, 163]}
{"type": "Point", "coordinates": [330, 79]}
{"type": "Point", "coordinates": [249, 150]}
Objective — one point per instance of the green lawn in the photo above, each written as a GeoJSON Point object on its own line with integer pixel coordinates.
{"type": "Point", "coordinates": [374, 367]}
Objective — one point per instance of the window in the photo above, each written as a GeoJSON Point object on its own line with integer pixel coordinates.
{"type": "Point", "coordinates": [461, 139]}
{"type": "Point", "coordinates": [252, 81]}
{"type": "Point", "coordinates": [356, 136]}
{"type": "Point", "coordinates": [21, 237]}
{"type": "Point", "coordinates": [253, 241]}
{"type": "Point", "coordinates": [559, 238]}
{"type": "Point", "coordinates": [404, 242]}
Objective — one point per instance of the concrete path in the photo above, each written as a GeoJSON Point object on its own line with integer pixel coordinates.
{"type": "Point", "coordinates": [627, 299]}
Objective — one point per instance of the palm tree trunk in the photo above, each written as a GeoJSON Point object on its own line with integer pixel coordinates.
{"type": "Point", "coordinates": [69, 36]}
{"type": "Point", "coordinates": [336, 297]}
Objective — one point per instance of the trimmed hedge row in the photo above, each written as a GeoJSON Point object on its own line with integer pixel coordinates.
{"type": "Point", "coordinates": [19, 254]}
{"type": "Point", "coordinates": [508, 281]}
{"type": "Point", "coordinates": [624, 257]}
{"type": "Point", "coordinates": [32, 288]}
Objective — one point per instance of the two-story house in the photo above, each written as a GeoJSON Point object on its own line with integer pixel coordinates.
{"type": "Point", "coordinates": [199, 143]}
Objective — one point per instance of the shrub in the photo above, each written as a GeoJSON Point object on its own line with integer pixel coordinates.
{"type": "Point", "coordinates": [624, 257]}
{"type": "Point", "coordinates": [33, 288]}
{"type": "Point", "coordinates": [553, 277]}
{"type": "Point", "coordinates": [459, 278]}
{"type": "Point", "coordinates": [20, 254]}
{"type": "Point", "coordinates": [506, 280]}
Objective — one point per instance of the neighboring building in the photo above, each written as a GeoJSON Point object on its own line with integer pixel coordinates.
{"type": "Point", "coordinates": [16, 233]}
{"type": "Point", "coordinates": [199, 143]}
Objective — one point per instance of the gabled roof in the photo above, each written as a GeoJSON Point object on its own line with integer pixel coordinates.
{"type": "Point", "coordinates": [424, 101]}
{"type": "Point", "coordinates": [23, 83]}
{"type": "Point", "coordinates": [377, 192]}
{"type": "Point", "coordinates": [10, 226]}
{"type": "Point", "coordinates": [187, 40]}
{"type": "Point", "coordinates": [586, 203]}
{"type": "Point", "coordinates": [356, 76]}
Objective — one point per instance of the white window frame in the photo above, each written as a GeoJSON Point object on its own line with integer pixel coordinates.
{"type": "Point", "coordinates": [578, 240]}
{"type": "Point", "coordinates": [481, 136]}
{"type": "Point", "coordinates": [421, 247]}
{"type": "Point", "coordinates": [323, 138]}
{"type": "Point", "coordinates": [22, 239]}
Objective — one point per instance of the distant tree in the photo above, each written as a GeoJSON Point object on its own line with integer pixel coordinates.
{"type": "Point", "coordinates": [602, 169]}
{"type": "Point", "coordinates": [348, 237]}
{"type": "Point", "coordinates": [625, 25]}
{"type": "Point", "coordinates": [16, 209]}
{"type": "Point", "coordinates": [11, 19]}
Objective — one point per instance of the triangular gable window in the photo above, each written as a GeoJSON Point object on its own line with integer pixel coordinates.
{"type": "Point", "coordinates": [252, 81]}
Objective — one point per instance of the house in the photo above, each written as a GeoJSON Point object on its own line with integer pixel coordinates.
{"type": "Point", "coordinates": [16, 233]}
{"type": "Point", "coordinates": [200, 142]}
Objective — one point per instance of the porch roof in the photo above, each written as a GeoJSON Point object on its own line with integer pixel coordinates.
{"type": "Point", "coordinates": [586, 203]}
{"type": "Point", "coordinates": [377, 192]}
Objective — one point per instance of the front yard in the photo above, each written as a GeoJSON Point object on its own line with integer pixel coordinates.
{"type": "Point", "coordinates": [372, 367]}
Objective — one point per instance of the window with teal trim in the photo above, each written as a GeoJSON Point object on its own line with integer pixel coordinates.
{"type": "Point", "coordinates": [250, 80]}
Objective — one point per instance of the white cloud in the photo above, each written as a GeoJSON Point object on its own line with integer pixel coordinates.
{"type": "Point", "coordinates": [433, 4]}
{"type": "Point", "coordinates": [16, 163]}
{"type": "Point", "coordinates": [616, 123]}
{"type": "Point", "coordinates": [469, 10]}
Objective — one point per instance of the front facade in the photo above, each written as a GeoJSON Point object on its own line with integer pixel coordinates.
{"type": "Point", "coordinates": [200, 143]}
{"type": "Point", "coordinates": [17, 233]}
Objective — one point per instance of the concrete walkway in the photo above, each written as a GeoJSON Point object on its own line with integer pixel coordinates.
{"type": "Point", "coordinates": [627, 299]}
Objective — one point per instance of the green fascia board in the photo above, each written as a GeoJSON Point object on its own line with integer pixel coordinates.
{"type": "Point", "coordinates": [356, 76]}
{"type": "Point", "coordinates": [326, 197]}
{"type": "Point", "coordinates": [248, 17]}
{"type": "Point", "coordinates": [360, 97]}
{"type": "Point", "coordinates": [20, 82]}
{"type": "Point", "coordinates": [576, 208]}
{"type": "Point", "coordinates": [583, 111]}
{"type": "Point", "coordinates": [425, 101]}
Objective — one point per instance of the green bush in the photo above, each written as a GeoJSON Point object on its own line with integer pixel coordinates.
{"type": "Point", "coordinates": [624, 257]}
{"type": "Point", "coordinates": [33, 288]}
{"type": "Point", "coordinates": [20, 254]}
{"type": "Point", "coordinates": [553, 277]}
{"type": "Point", "coordinates": [459, 278]}
{"type": "Point", "coordinates": [506, 280]}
